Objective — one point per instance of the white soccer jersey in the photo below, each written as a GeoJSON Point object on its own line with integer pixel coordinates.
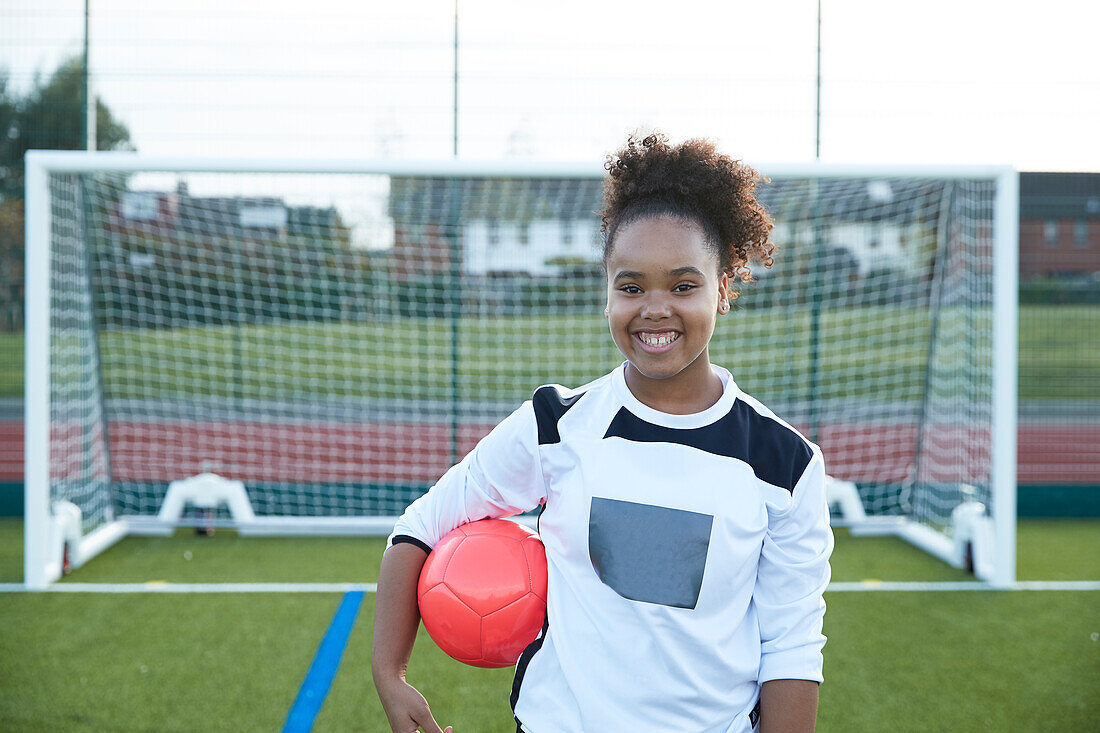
{"type": "Point", "coordinates": [687, 555]}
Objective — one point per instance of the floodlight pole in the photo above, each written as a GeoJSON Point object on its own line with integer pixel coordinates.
{"type": "Point", "coordinates": [454, 95]}
{"type": "Point", "coordinates": [817, 104]}
{"type": "Point", "coordinates": [818, 285]}
{"type": "Point", "coordinates": [88, 131]}
{"type": "Point", "coordinates": [455, 292]}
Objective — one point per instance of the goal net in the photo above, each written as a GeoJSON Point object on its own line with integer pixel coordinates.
{"type": "Point", "coordinates": [334, 337]}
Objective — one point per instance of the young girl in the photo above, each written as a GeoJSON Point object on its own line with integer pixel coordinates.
{"type": "Point", "coordinates": [685, 525]}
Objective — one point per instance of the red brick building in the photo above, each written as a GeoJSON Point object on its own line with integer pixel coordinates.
{"type": "Point", "coordinates": [1059, 225]}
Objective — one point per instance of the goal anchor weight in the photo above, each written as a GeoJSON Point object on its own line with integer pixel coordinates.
{"type": "Point", "coordinates": [207, 491]}
{"type": "Point", "coordinates": [65, 534]}
{"type": "Point", "coordinates": [844, 498]}
{"type": "Point", "coordinates": [974, 535]}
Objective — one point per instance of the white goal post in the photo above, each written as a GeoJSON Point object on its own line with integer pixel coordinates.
{"type": "Point", "coordinates": [302, 347]}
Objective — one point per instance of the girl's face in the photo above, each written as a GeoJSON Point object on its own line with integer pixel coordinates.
{"type": "Point", "coordinates": [663, 296]}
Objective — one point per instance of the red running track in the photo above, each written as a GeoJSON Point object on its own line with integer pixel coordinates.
{"type": "Point", "coordinates": [421, 452]}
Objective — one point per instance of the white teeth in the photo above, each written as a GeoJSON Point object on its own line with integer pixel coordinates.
{"type": "Point", "coordinates": [659, 340]}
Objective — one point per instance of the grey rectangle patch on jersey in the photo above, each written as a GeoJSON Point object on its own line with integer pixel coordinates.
{"type": "Point", "coordinates": [649, 553]}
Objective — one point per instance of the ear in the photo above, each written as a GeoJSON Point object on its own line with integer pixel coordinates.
{"type": "Point", "coordinates": [723, 293]}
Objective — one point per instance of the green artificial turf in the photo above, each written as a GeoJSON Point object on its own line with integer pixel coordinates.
{"type": "Point", "coordinates": [11, 364]}
{"type": "Point", "coordinates": [11, 549]}
{"type": "Point", "coordinates": [155, 662]}
{"type": "Point", "coordinates": [228, 558]}
{"type": "Point", "coordinates": [964, 661]}
{"type": "Point", "coordinates": [895, 661]}
{"type": "Point", "coordinates": [1051, 549]}
{"type": "Point", "coordinates": [1058, 354]}
{"type": "Point", "coordinates": [1058, 549]}
{"type": "Point", "coordinates": [501, 358]}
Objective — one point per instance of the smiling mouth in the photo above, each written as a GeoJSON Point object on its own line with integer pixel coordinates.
{"type": "Point", "coordinates": [654, 342]}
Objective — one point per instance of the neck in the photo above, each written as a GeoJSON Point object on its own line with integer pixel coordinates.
{"type": "Point", "coordinates": [693, 390]}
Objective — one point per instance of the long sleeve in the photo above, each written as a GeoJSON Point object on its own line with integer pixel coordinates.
{"type": "Point", "coordinates": [500, 477]}
{"type": "Point", "coordinates": [792, 576]}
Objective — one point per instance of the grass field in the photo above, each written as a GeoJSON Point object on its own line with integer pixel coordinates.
{"type": "Point", "coordinates": [501, 358]}
{"type": "Point", "coordinates": [895, 661]}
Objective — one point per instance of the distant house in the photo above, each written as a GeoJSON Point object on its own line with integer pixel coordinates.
{"type": "Point", "coordinates": [492, 227]}
{"type": "Point", "coordinates": [875, 224]}
{"type": "Point", "coordinates": [167, 212]}
{"type": "Point", "coordinates": [531, 227]}
{"type": "Point", "coordinates": [1059, 224]}
{"type": "Point", "coordinates": [536, 247]}
{"type": "Point", "coordinates": [245, 218]}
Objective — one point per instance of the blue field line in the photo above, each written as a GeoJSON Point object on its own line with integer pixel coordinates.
{"type": "Point", "coordinates": [322, 671]}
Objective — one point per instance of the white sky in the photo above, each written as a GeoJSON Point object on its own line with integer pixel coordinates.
{"type": "Point", "coordinates": [939, 81]}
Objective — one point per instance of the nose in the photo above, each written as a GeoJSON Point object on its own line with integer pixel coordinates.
{"type": "Point", "coordinates": [656, 307]}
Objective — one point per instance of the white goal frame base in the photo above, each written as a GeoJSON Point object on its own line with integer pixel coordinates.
{"type": "Point", "coordinates": [971, 545]}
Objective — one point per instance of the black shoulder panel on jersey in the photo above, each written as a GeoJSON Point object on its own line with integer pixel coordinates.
{"type": "Point", "coordinates": [776, 454]}
{"type": "Point", "coordinates": [549, 407]}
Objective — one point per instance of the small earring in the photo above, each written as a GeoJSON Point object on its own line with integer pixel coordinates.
{"type": "Point", "coordinates": [723, 306]}
{"type": "Point", "coordinates": [605, 313]}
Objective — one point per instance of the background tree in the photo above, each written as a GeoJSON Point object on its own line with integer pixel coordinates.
{"type": "Point", "coordinates": [48, 117]}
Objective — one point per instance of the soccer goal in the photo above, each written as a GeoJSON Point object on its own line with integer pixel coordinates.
{"type": "Point", "coordinates": [290, 347]}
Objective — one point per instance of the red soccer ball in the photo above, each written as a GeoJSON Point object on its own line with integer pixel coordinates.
{"type": "Point", "coordinates": [482, 592]}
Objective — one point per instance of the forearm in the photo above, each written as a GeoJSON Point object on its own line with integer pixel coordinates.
{"type": "Point", "coordinates": [396, 615]}
{"type": "Point", "coordinates": [788, 706]}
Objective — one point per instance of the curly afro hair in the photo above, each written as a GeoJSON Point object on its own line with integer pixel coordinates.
{"type": "Point", "coordinates": [691, 181]}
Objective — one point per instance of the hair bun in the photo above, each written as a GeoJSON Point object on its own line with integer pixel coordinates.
{"type": "Point", "coordinates": [650, 177]}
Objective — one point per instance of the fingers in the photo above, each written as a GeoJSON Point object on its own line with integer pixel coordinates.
{"type": "Point", "coordinates": [427, 722]}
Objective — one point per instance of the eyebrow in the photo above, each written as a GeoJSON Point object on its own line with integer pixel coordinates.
{"type": "Point", "coordinates": [631, 274]}
{"type": "Point", "coordinates": [679, 271]}
{"type": "Point", "coordinates": [688, 270]}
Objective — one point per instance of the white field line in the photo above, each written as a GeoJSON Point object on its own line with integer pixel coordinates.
{"type": "Point", "coordinates": [164, 587]}
{"type": "Point", "coordinates": [879, 585]}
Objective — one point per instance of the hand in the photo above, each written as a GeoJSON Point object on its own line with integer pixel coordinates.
{"type": "Point", "coordinates": [407, 709]}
